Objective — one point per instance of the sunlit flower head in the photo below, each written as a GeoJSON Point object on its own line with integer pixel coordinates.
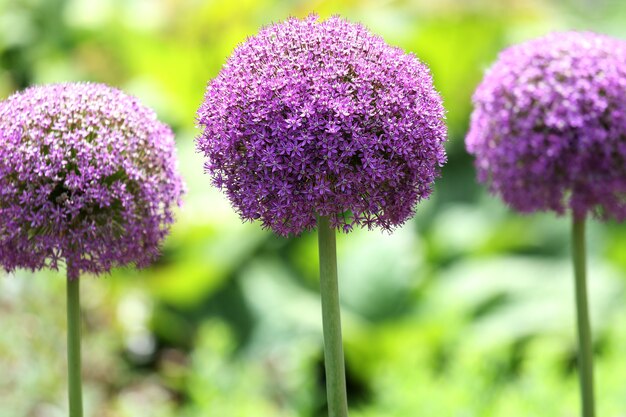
{"type": "Point", "coordinates": [549, 125]}
{"type": "Point", "coordinates": [322, 117]}
{"type": "Point", "coordinates": [88, 176]}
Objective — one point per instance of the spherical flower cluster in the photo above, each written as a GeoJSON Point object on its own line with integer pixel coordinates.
{"type": "Point", "coordinates": [88, 176]}
{"type": "Point", "coordinates": [549, 125]}
{"type": "Point", "coordinates": [322, 117]}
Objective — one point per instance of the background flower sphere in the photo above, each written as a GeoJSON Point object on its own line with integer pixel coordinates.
{"type": "Point", "coordinates": [549, 125]}
{"type": "Point", "coordinates": [322, 117]}
{"type": "Point", "coordinates": [88, 175]}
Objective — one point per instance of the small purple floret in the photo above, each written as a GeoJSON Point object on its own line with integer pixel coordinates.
{"type": "Point", "coordinates": [322, 117]}
{"type": "Point", "coordinates": [549, 125]}
{"type": "Point", "coordinates": [88, 176]}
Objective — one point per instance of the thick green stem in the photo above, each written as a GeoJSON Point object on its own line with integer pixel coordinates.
{"type": "Point", "coordinates": [73, 348]}
{"type": "Point", "coordinates": [585, 352]}
{"type": "Point", "coordinates": [331, 320]}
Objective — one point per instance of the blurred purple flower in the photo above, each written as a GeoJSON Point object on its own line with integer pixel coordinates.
{"type": "Point", "coordinates": [88, 175]}
{"type": "Point", "coordinates": [549, 125]}
{"type": "Point", "coordinates": [322, 117]}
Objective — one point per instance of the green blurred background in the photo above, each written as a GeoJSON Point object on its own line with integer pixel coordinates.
{"type": "Point", "coordinates": [466, 311]}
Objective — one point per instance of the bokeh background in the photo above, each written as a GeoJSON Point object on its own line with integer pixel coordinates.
{"type": "Point", "coordinates": [466, 311]}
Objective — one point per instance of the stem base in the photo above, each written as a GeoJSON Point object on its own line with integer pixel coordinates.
{"type": "Point", "coordinates": [331, 320]}
{"type": "Point", "coordinates": [73, 348]}
{"type": "Point", "coordinates": [585, 352]}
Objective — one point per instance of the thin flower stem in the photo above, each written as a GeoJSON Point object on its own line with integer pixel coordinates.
{"type": "Point", "coordinates": [73, 347]}
{"type": "Point", "coordinates": [331, 320]}
{"type": "Point", "coordinates": [585, 353]}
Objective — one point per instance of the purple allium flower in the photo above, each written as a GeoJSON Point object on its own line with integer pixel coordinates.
{"type": "Point", "coordinates": [549, 125]}
{"type": "Point", "coordinates": [322, 117]}
{"type": "Point", "coordinates": [88, 176]}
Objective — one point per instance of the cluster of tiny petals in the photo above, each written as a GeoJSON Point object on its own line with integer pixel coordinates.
{"type": "Point", "coordinates": [549, 125]}
{"type": "Point", "coordinates": [322, 117]}
{"type": "Point", "coordinates": [88, 177]}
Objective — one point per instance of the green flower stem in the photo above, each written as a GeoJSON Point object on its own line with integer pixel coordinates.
{"type": "Point", "coordinates": [73, 347]}
{"type": "Point", "coordinates": [585, 353]}
{"type": "Point", "coordinates": [331, 320]}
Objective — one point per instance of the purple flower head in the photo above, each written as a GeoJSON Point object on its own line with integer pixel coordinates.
{"type": "Point", "coordinates": [88, 176]}
{"type": "Point", "coordinates": [549, 125]}
{"type": "Point", "coordinates": [322, 117]}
